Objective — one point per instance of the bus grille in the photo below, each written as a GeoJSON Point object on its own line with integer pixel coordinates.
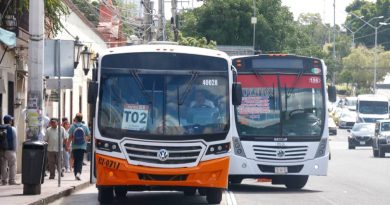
{"type": "Point", "coordinates": [155, 177]}
{"type": "Point", "coordinates": [284, 153]}
{"type": "Point", "coordinates": [178, 155]}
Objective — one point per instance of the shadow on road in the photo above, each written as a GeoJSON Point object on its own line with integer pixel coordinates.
{"type": "Point", "coordinates": [144, 198]}
{"type": "Point", "coordinates": [256, 189]}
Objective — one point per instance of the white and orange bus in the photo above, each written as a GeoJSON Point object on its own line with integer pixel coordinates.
{"type": "Point", "coordinates": [163, 120]}
{"type": "Point", "coordinates": [282, 122]}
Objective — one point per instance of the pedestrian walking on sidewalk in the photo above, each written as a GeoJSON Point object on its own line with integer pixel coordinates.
{"type": "Point", "coordinates": [66, 152]}
{"type": "Point", "coordinates": [53, 153]}
{"type": "Point", "coordinates": [8, 152]}
{"type": "Point", "coordinates": [79, 134]}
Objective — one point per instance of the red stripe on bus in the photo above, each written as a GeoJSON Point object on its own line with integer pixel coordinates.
{"type": "Point", "coordinates": [289, 81]}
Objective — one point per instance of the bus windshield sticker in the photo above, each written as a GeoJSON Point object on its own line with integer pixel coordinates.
{"type": "Point", "coordinates": [210, 82]}
{"type": "Point", "coordinates": [135, 117]}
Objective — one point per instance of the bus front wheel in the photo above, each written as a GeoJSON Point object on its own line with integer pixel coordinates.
{"type": "Point", "coordinates": [120, 192]}
{"type": "Point", "coordinates": [214, 195]}
{"type": "Point", "coordinates": [189, 191]}
{"type": "Point", "coordinates": [105, 195]}
{"type": "Point", "coordinates": [296, 182]}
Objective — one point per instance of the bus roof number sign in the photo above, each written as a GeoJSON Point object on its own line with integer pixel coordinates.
{"type": "Point", "coordinates": [271, 63]}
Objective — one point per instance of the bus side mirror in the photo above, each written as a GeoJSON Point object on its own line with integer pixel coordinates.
{"type": "Point", "coordinates": [92, 92]}
{"type": "Point", "coordinates": [237, 93]}
{"type": "Point", "coordinates": [332, 93]}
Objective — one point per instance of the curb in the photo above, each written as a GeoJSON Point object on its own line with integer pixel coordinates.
{"type": "Point", "coordinates": [51, 198]}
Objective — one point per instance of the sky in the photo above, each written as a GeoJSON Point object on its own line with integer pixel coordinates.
{"type": "Point", "coordinates": [323, 7]}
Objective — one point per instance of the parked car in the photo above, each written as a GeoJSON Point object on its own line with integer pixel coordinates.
{"type": "Point", "coordinates": [381, 140]}
{"type": "Point", "coordinates": [361, 135]}
{"type": "Point", "coordinates": [347, 119]}
{"type": "Point", "coordinates": [332, 126]}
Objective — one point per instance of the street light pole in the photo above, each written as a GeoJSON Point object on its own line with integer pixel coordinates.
{"type": "Point", "coordinates": [375, 57]}
{"type": "Point", "coordinates": [254, 21]}
{"type": "Point", "coordinates": [334, 41]}
{"type": "Point", "coordinates": [376, 40]}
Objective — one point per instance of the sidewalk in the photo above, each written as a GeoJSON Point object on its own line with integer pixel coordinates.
{"type": "Point", "coordinates": [13, 194]}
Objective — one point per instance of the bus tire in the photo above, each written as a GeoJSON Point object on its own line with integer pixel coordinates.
{"type": "Point", "coordinates": [296, 182]}
{"type": "Point", "coordinates": [202, 191]}
{"type": "Point", "coordinates": [105, 195]}
{"type": "Point", "coordinates": [189, 191]}
{"type": "Point", "coordinates": [214, 195]}
{"type": "Point", "coordinates": [120, 192]}
{"type": "Point", "coordinates": [235, 180]}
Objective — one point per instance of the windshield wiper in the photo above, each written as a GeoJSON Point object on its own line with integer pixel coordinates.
{"type": "Point", "coordinates": [141, 86]}
{"type": "Point", "coordinates": [295, 82]}
{"type": "Point", "coordinates": [188, 87]}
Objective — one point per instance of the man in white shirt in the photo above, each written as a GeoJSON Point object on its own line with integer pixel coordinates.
{"type": "Point", "coordinates": [53, 152]}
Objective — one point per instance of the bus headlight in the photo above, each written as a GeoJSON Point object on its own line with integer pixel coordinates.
{"type": "Point", "coordinates": [107, 146]}
{"type": "Point", "coordinates": [238, 149]}
{"type": "Point", "coordinates": [321, 150]}
{"type": "Point", "coordinates": [218, 148]}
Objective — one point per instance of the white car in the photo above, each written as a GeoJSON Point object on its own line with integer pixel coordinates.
{"type": "Point", "coordinates": [347, 119]}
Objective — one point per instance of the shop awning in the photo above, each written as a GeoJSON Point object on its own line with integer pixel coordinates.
{"type": "Point", "coordinates": [8, 38]}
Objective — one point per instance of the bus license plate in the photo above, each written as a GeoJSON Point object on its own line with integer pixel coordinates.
{"type": "Point", "coordinates": [362, 142]}
{"type": "Point", "coordinates": [281, 170]}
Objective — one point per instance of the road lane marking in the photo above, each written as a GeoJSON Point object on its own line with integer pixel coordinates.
{"type": "Point", "coordinates": [231, 200]}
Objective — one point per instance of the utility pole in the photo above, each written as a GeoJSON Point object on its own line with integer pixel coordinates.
{"type": "Point", "coordinates": [174, 19]}
{"type": "Point", "coordinates": [334, 42]}
{"type": "Point", "coordinates": [148, 20]}
{"type": "Point", "coordinates": [35, 110]}
{"type": "Point", "coordinates": [254, 21]}
{"type": "Point", "coordinates": [161, 19]}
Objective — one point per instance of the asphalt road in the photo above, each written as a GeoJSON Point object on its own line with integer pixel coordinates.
{"type": "Point", "coordinates": [354, 177]}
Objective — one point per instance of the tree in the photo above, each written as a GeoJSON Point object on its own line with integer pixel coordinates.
{"type": "Point", "coordinates": [368, 10]}
{"type": "Point", "coordinates": [90, 10]}
{"type": "Point", "coordinates": [228, 22]}
{"type": "Point", "coordinates": [359, 63]}
{"type": "Point", "coordinates": [197, 42]}
{"type": "Point", "coordinates": [54, 10]}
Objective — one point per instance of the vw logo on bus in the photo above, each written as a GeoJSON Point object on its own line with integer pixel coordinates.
{"type": "Point", "coordinates": [280, 153]}
{"type": "Point", "coordinates": [163, 155]}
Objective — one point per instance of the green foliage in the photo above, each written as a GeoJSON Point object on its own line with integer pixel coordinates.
{"type": "Point", "coordinates": [197, 42]}
{"type": "Point", "coordinates": [229, 23]}
{"type": "Point", "coordinates": [369, 10]}
{"type": "Point", "coordinates": [54, 10]}
{"type": "Point", "coordinates": [359, 64]}
{"type": "Point", "coordinates": [90, 11]}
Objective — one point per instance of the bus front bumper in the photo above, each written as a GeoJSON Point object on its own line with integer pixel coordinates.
{"type": "Point", "coordinates": [118, 172]}
{"type": "Point", "coordinates": [249, 167]}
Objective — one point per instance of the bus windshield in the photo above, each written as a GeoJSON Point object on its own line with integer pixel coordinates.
{"type": "Point", "coordinates": [162, 103]}
{"type": "Point", "coordinates": [281, 105]}
{"type": "Point", "coordinates": [373, 107]}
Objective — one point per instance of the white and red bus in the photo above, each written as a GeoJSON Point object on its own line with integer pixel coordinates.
{"type": "Point", "coordinates": [282, 131]}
